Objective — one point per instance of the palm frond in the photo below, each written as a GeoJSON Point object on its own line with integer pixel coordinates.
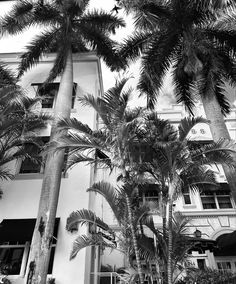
{"type": "Point", "coordinates": [111, 194]}
{"type": "Point", "coordinates": [187, 124]}
{"type": "Point", "coordinates": [98, 105]}
{"type": "Point", "coordinates": [184, 87]}
{"type": "Point", "coordinates": [85, 217]}
{"type": "Point", "coordinates": [151, 15]}
{"type": "Point", "coordinates": [224, 38]}
{"type": "Point", "coordinates": [6, 76]}
{"type": "Point", "coordinates": [59, 62]}
{"type": "Point", "coordinates": [102, 20]}
{"type": "Point", "coordinates": [216, 152]}
{"type": "Point", "coordinates": [132, 47]}
{"type": "Point", "coordinates": [38, 46]}
{"type": "Point", "coordinates": [20, 18]}
{"type": "Point", "coordinates": [102, 44]}
{"type": "Point", "coordinates": [86, 241]}
{"type": "Point", "coordinates": [76, 158]}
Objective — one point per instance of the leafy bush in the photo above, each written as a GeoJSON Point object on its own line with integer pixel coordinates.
{"type": "Point", "coordinates": [208, 276]}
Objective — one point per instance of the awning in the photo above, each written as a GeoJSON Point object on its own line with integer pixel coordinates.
{"type": "Point", "coordinates": [226, 245]}
{"type": "Point", "coordinates": [201, 245]}
{"type": "Point", "coordinates": [19, 231]}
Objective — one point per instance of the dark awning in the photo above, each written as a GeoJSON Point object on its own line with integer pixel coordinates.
{"type": "Point", "coordinates": [201, 245]}
{"type": "Point", "coordinates": [20, 230]}
{"type": "Point", "coordinates": [226, 245]}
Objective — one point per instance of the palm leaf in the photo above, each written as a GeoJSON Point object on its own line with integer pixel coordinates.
{"type": "Point", "coordinates": [132, 47]}
{"type": "Point", "coordinates": [6, 76]}
{"type": "Point", "coordinates": [20, 18]}
{"type": "Point", "coordinates": [110, 193]}
{"type": "Point", "coordinates": [86, 241]}
{"type": "Point", "coordinates": [104, 46]}
{"type": "Point", "coordinates": [102, 21]}
{"type": "Point", "coordinates": [39, 45]}
{"type": "Point", "coordinates": [187, 124]}
{"type": "Point", "coordinates": [85, 217]}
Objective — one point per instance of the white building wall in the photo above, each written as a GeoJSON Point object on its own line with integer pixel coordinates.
{"type": "Point", "coordinates": [21, 196]}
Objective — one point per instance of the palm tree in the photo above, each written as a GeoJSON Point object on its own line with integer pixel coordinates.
{"type": "Point", "coordinates": [69, 28]}
{"type": "Point", "coordinates": [122, 140]}
{"type": "Point", "coordinates": [193, 39]}
{"type": "Point", "coordinates": [18, 123]}
{"type": "Point", "coordinates": [179, 165]}
{"type": "Point", "coordinates": [114, 139]}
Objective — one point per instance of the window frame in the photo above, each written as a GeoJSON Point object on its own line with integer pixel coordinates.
{"type": "Point", "coordinates": [41, 167]}
{"type": "Point", "coordinates": [38, 85]}
{"type": "Point", "coordinates": [26, 247]}
{"type": "Point", "coordinates": [215, 195]}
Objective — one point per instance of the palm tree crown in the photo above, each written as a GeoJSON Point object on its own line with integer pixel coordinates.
{"type": "Point", "coordinates": [189, 37]}
{"type": "Point", "coordinates": [67, 24]}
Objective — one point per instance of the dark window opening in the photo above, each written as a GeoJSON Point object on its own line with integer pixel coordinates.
{"type": "Point", "coordinates": [34, 164]}
{"type": "Point", "coordinates": [11, 259]}
{"type": "Point", "coordinates": [218, 199]}
{"type": "Point", "coordinates": [201, 263]}
{"type": "Point", "coordinates": [149, 195]}
{"type": "Point", "coordinates": [49, 92]}
{"type": "Point", "coordinates": [187, 198]}
{"type": "Point", "coordinates": [15, 237]}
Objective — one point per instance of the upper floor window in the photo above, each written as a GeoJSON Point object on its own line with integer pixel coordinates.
{"type": "Point", "coordinates": [49, 92]}
{"type": "Point", "coordinates": [149, 195]}
{"type": "Point", "coordinates": [29, 165]}
{"type": "Point", "coordinates": [219, 199]}
{"type": "Point", "coordinates": [187, 197]}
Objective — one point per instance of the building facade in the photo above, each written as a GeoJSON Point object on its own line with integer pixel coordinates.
{"type": "Point", "coordinates": [19, 203]}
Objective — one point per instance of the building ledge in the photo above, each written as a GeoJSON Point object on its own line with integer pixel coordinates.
{"type": "Point", "coordinates": [209, 213]}
{"type": "Point", "coordinates": [33, 176]}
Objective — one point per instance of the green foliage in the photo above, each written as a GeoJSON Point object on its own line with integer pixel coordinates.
{"type": "Point", "coordinates": [192, 38]}
{"type": "Point", "coordinates": [207, 276]}
{"type": "Point", "coordinates": [67, 25]}
{"type": "Point", "coordinates": [18, 123]}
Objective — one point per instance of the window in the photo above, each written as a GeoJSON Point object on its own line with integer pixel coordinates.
{"type": "Point", "coordinates": [187, 198]}
{"type": "Point", "coordinates": [15, 237]}
{"type": "Point", "coordinates": [49, 92]}
{"type": "Point", "coordinates": [29, 165]}
{"type": "Point", "coordinates": [148, 194]}
{"type": "Point", "coordinates": [201, 263]}
{"type": "Point", "coordinates": [224, 266]}
{"type": "Point", "coordinates": [219, 199]}
{"type": "Point", "coordinates": [11, 259]}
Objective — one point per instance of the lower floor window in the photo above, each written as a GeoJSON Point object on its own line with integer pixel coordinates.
{"type": "Point", "coordinates": [224, 266]}
{"type": "Point", "coordinates": [11, 259]}
{"type": "Point", "coordinates": [15, 237]}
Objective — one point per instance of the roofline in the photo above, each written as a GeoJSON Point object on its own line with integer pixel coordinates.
{"type": "Point", "coordinates": [14, 57]}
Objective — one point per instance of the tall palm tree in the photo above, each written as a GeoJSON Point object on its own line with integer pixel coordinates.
{"type": "Point", "coordinates": [114, 139]}
{"type": "Point", "coordinates": [193, 39]}
{"type": "Point", "coordinates": [68, 28]}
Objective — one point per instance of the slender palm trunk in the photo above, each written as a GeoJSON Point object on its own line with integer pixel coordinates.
{"type": "Point", "coordinates": [170, 242]}
{"type": "Point", "coordinates": [130, 216]}
{"type": "Point", "coordinates": [219, 131]}
{"type": "Point", "coordinates": [43, 232]}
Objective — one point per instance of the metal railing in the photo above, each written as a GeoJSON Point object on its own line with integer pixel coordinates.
{"type": "Point", "coordinates": [114, 277]}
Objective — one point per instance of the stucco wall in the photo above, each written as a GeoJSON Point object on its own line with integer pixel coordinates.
{"type": "Point", "coordinates": [21, 196]}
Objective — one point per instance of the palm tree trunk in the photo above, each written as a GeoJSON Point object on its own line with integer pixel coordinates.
{"type": "Point", "coordinates": [219, 130]}
{"type": "Point", "coordinates": [170, 242]}
{"type": "Point", "coordinates": [43, 232]}
{"type": "Point", "coordinates": [130, 216]}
